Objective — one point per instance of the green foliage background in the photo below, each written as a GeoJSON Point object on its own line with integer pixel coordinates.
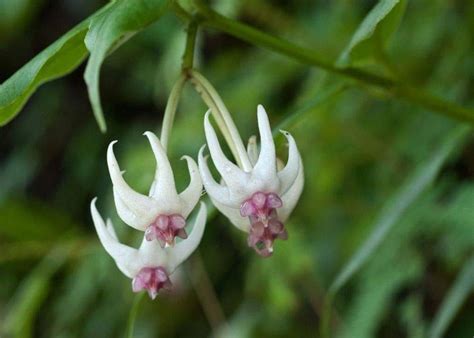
{"type": "Point", "coordinates": [388, 199]}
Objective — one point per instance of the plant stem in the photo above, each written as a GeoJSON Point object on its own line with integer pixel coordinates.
{"type": "Point", "coordinates": [173, 99]}
{"type": "Point", "coordinates": [170, 110]}
{"type": "Point", "coordinates": [207, 295]}
{"type": "Point", "coordinates": [188, 56]}
{"type": "Point", "coordinates": [212, 19]}
{"type": "Point", "coordinates": [222, 117]}
{"type": "Point", "coordinates": [133, 314]}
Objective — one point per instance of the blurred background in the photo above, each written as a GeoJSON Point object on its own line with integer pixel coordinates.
{"type": "Point", "coordinates": [363, 151]}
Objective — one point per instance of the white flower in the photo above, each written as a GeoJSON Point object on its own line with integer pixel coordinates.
{"type": "Point", "coordinates": [162, 214]}
{"type": "Point", "coordinates": [260, 200]}
{"type": "Point", "coordinates": [151, 265]}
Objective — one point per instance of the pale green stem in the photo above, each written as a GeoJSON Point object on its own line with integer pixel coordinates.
{"type": "Point", "coordinates": [223, 118]}
{"type": "Point", "coordinates": [133, 314]}
{"type": "Point", "coordinates": [170, 110]}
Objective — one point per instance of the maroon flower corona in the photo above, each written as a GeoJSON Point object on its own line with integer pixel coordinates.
{"type": "Point", "coordinates": [152, 280]}
{"type": "Point", "coordinates": [265, 226]}
{"type": "Point", "coordinates": [165, 228]}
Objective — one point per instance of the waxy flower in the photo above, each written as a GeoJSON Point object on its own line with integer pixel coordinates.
{"type": "Point", "coordinates": [151, 265]}
{"type": "Point", "coordinates": [259, 200]}
{"type": "Point", "coordinates": [162, 214]}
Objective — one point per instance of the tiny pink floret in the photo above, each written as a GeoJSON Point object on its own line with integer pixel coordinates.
{"type": "Point", "coordinates": [151, 279]}
{"type": "Point", "coordinates": [264, 224]}
{"type": "Point", "coordinates": [165, 228]}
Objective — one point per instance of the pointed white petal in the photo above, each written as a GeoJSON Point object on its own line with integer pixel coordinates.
{"type": "Point", "coordinates": [130, 217]}
{"type": "Point", "coordinates": [142, 206]}
{"type": "Point", "coordinates": [123, 255]}
{"type": "Point", "coordinates": [214, 189]}
{"type": "Point", "coordinates": [152, 187]}
{"type": "Point", "coordinates": [185, 248]}
{"type": "Point", "coordinates": [289, 173]}
{"type": "Point", "coordinates": [191, 195]}
{"type": "Point", "coordinates": [165, 185]}
{"type": "Point", "coordinates": [110, 229]}
{"type": "Point", "coordinates": [233, 176]}
{"type": "Point", "coordinates": [233, 214]}
{"type": "Point", "coordinates": [266, 164]}
{"type": "Point", "coordinates": [252, 150]}
{"type": "Point", "coordinates": [292, 195]}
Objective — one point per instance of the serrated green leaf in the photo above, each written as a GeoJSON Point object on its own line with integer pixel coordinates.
{"type": "Point", "coordinates": [374, 32]}
{"type": "Point", "coordinates": [107, 31]}
{"type": "Point", "coordinates": [59, 59]}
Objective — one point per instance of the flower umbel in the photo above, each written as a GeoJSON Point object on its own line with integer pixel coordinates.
{"type": "Point", "coordinates": [162, 214]}
{"type": "Point", "coordinates": [150, 265]}
{"type": "Point", "coordinates": [260, 200]}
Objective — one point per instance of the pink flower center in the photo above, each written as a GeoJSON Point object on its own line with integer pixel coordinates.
{"type": "Point", "coordinates": [165, 228]}
{"type": "Point", "coordinates": [152, 280]}
{"type": "Point", "coordinates": [264, 224]}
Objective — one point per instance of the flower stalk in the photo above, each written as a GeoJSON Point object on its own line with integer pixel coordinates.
{"type": "Point", "coordinates": [223, 119]}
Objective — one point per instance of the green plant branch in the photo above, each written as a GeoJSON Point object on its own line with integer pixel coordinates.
{"type": "Point", "coordinates": [188, 56]}
{"type": "Point", "coordinates": [208, 17]}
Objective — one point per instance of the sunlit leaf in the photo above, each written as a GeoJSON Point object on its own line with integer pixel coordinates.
{"type": "Point", "coordinates": [107, 31]}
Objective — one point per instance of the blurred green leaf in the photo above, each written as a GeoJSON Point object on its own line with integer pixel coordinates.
{"type": "Point", "coordinates": [108, 31]}
{"type": "Point", "coordinates": [462, 287]}
{"type": "Point", "coordinates": [396, 206]}
{"type": "Point", "coordinates": [30, 295]}
{"type": "Point", "coordinates": [374, 32]}
{"type": "Point", "coordinates": [30, 220]}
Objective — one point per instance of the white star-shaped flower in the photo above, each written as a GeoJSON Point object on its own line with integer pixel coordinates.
{"type": "Point", "coordinates": [257, 201]}
{"type": "Point", "coordinates": [162, 214]}
{"type": "Point", "coordinates": [149, 266]}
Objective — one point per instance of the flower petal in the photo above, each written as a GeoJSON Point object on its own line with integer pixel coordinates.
{"type": "Point", "coordinates": [252, 150]}
{"type": "Point", "coordinates": [185, 248]}
{"type": "Point", "coordinates": [233, 176]}
{"type": "Point", "coordinates": [165, 188]}
{"type": "Point", "coordinates": [266, 164]}
{"type": "Point", "coordinates": [128, 216]}
{"type": "Point", "coordinates": [142, 206]}
{"type": "Point", "coordinates": [124, 256]}
{"type": "Point", "coordinates": [233, 214]}
{"type": "Point", "coordinates": [191, 195]}
{"type": "Point", "coordinates": [214, 189]}
{"type": "Point", "coordinates": [291, 170]}
{"type": "Point", "coordinates": [292, 195]}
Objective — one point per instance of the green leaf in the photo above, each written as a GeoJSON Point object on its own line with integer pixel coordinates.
{"type": "Point", "coordinates": [107, 31]}
{"type": "Point", "coordinates": [395, 207]}
{"type": "Point", "coordinates": [31, 293]}
{"type": "Point", "coordinates": [59, 59]}
{"type": "Point", "coordinates": [461, 289]}
{"type": "Point", "coordinates": [374, 32]}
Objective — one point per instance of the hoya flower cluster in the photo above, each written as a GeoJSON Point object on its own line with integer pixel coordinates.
{"type": "Point", "coordinates": [256, 198]}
